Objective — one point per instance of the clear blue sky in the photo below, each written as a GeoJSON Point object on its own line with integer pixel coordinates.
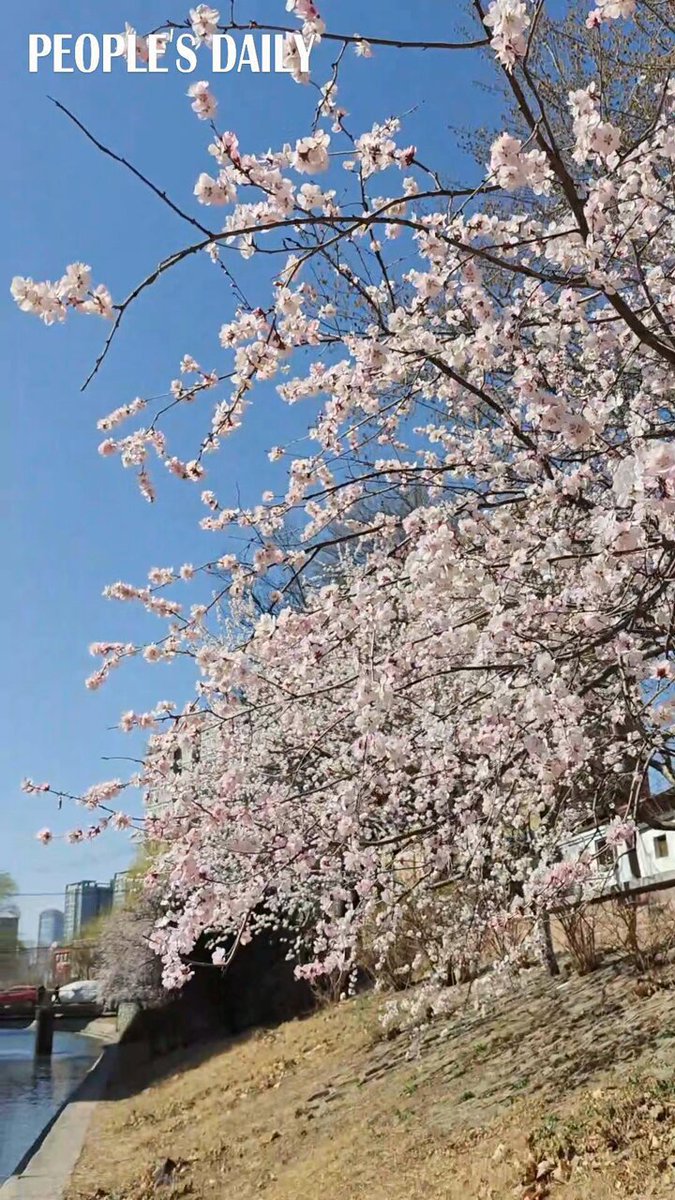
{"type": "Point", "coordinates": [72, 522]}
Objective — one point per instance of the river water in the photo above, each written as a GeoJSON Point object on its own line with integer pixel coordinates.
{"type": "Point", "coordinates": [32, 1090]}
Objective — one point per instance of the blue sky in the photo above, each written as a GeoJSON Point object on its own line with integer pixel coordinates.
{"type": "Point", "coordinates": [71, 521]}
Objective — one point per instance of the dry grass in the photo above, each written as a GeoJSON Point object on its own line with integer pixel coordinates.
{"type": "Point", "coordinates": [572, 1075]}
{"type": "Point", "coordinates": [642, 930]}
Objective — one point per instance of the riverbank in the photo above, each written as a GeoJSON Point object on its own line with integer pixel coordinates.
{"type": "Point", "coordinates": [34, 1092]}
{"type": "Point", "coordinates": [570, 1080]}
{"type": "Point", "coordinates": [46, 1171]}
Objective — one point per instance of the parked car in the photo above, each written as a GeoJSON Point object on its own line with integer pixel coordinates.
{"type": "Point", "coordinates": [21, 996]}
{"type": "Point", "coordinates": [80, 991]}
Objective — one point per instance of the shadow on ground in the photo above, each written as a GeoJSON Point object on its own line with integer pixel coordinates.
{"type": "Point", "coordinates": [331, 1104]}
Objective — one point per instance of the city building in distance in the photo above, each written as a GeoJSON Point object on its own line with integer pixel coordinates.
{"type": "Point", "coordinates": [120, 884]}
{"type": "Point", "coordinates": [9, 944]}
{"type": "Point", "coordinates": [85, 901]}
{"type": "Point", "coordinates": [9, 931]}
{"type": "Point", "coordinates": [50, 927]}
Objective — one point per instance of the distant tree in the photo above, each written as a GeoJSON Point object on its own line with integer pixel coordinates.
{"type": "Point", "coordinates": [84, 954]}
{"type": "Point", "coordinates": [7, 888]}
{"type": "Point", "coordinates": [9, 945]}
{"type": "Point", "coordinates": [129, 969]}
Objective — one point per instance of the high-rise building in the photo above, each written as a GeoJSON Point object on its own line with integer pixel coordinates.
{"type": "Point", "coordinates": [9, 932]}
{"type": "Point", "coordinates": [50, 927]}
{"type": "Point", "coordinates": [85, 901]}
{"type": "Point", "coordinates": [10, 956]}
{"type": "Point", "coordinates": [120, 887]}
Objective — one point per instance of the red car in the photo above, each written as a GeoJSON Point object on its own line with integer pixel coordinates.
{"type": "Point", "coordinates": [24, 996]}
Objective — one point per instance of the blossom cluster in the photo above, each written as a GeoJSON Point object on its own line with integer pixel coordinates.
{"type": "Point", "coordinates": [611, 10]}
{"type": "Point", "coordinates": [51, 301]}
{"type": "Point", "coordinates": [509, 21]}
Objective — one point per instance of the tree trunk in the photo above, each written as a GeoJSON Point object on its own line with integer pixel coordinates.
{"type": "Point", "coordinates": [544, 944]}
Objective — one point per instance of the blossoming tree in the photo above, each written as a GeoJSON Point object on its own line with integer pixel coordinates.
{"type": "Point", "coordinates": [493, 667]}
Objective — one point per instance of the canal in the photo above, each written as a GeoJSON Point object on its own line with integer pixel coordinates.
{"type": "Point", "coordinates": [32, 1090]}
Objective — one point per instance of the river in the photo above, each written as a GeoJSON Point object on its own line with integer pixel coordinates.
{"type": "Point", "coordinates": [32, 1090]}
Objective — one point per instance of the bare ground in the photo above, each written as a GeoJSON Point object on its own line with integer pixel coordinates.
{"type": "Point", "coordinates": [566, 1089]}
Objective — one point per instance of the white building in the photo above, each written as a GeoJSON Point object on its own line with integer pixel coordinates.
{"type": "Point", "coordinates": [648, 864]}
{"type": "Point", "coordinates": [195, 754]}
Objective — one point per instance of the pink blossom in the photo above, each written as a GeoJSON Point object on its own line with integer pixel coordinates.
{"type": "Point", "coordinates": [215, 191]}
{"type": "Point", "coordinates": [659, 460]}
{"type": "Point", "coordinates": [611, 10]}
{"type": "Point", "coordinates": [135, 44]}
{"type": "Point", "coordinates": [308, 13]}
{"type": "Point", "coordinates": [306, 10]}
{"type": "Point", "coordinates": [377, 149]}
{"type": "Point", "coordinates": [563, 876]}
{"type": "Point", "coordinates": [145, 485]}
{"type": "Point", "coordinates": [34, 789]}
{"type": "Point", "coordinates": [311, 153]}
{"type": "Point", "coordinates": [160, 576]}
{"type": "Point", "coordinates": [204, 21]}
{"type": "Point", "coordinates": [99, 303]}
{"type": "Point", "coordinates": [293, 59]}
{"type": "Point", "coordinates": [42, 299]}
{"type": "Point", "coordinates": [76, 282]}
{"type": "Point", "coordinates": [94, 681]}
{"type": "Point", "coordinates": [620, 831]}
{"type": "Point", "coordinates": [204, 102]}
{"type": "Point", "coordinates": [101, 793]}
{"type": "Point", "coordinates": [513, 167]}
{"type": "Point", "coordinates": [509, 21]}
{"type": "Point", "coordinates": [121, 414]}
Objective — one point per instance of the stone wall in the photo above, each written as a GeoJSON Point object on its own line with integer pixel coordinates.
{"type": "Point", "coordinates": [257, 989]}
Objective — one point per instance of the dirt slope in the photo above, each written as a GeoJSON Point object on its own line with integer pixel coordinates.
{"type": "Point", "coordinates": [566, 1090]}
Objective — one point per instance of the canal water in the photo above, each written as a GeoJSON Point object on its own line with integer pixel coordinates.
{"type": "Point", "coordinates": [32, 1090]}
